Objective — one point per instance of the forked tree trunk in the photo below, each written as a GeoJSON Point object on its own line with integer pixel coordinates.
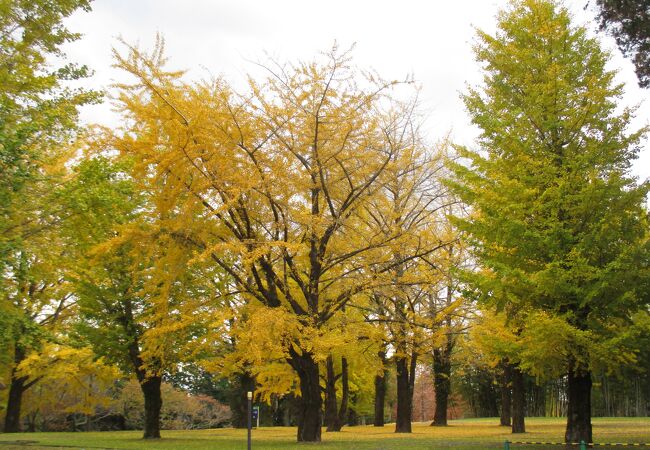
{"type": "Point", "coordinates": [152, 405]}
{"type": "Point", "coordinates": [405, 385]}
{"type": "Point", "coordinates": [506, 395]}
{"type": "Point", "coordinates": [518, 401]}
{"type": "Point", "coordinates": [150, 385]}
{"type": "Point", "coordinates": [380, 392]}
{"type": "Point", "coordinates": [331, 416]}
{"type": "Point", "coordinates": [309, 409]}
{"type": "Point", "coordinates": [442, 383]}
{"type": "Point", "coordinates": [578, 427]}
{"type": "Point", "coordinates": [335, 418]}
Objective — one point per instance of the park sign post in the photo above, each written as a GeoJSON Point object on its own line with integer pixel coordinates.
{"type": "Point", "coordinates": [256, 416]}
{"type": "Point", "coordinates": [249, 395]}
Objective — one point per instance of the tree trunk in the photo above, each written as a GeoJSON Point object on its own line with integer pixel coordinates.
{"type": "Point", "coordinates": [17, 388]}
{"type": "Point", "coordinates": [535, 399]}
{"type": "Point", "coordinates": [404, 407]}
{"type": "Point", "coordinates": [31, 422]}
{"type": "Point", "coordinates": [578, 427]}
{"type": "Point", "coordinates": [152, 405]}
{"type": "Point", "coordinates": [150, 385]}
{"type": "Point", "coordinates": [506, 395]}
{"type": "Point", "coordinates": [238, 401]}
{"type": "Point", "coordinates": [518, 401]}
{"type": "Point", "coordinates": [405, 384]}
{"type": "Point", "coordinates": [442, 359]}
{"type": "Point", "coordinates": [380, 392]}
{"type": "Point", "coordinates": [442, 383]}
{"type": "Point", "coordinates": [604, 383]}
{"type": "Point", "coordinates": [14, 402]}
{"type": "Point", "coordinates": [331, 417]}
{"type": "Point", "coordinates": [484, 397]}
{"type": "Point", "coordinates": [353, 418]}
{"type": "Point", "coordinates": [345, 392]}
{"type": "Point", "coordinates": [309, 411]}
{"type": "Point", "coordinates": [334, 419]}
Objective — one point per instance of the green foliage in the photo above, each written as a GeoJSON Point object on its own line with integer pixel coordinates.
{"type": "Point", "coordinates": [195, 380]}
{"type": "Point", "coordinates": [38, 119]}
{"type": "Point", "coordinates": [38, 111]}
{"type": "Point", "coordinates": [100, 198]}
{"type": "Point", "coordinates": [113, 282]}
{"type": "Point", "coordinates": [106, 282]}
{"type": "Point", "coordinates": [557, 222]}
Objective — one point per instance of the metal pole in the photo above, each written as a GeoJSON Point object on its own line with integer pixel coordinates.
{"type": "Point", "coordinates": [506, 445]}
{"type": "Point", "coordinates": [583, 445]}
{"type": "Point", "coordinates": [249, 395]}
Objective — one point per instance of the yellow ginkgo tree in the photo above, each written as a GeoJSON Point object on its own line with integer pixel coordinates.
{"type": "Point", "coordinates": [271, 185]}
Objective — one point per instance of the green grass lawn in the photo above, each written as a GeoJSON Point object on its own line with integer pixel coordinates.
{"type": "Point", "coordinates": [460, 435]}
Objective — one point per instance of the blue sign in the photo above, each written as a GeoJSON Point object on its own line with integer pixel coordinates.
{"type": "Point", "coordinates": [255, 412]}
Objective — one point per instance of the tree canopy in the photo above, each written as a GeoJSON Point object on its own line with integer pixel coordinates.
{"type": "Point", "coordinates": [557, 221]}
{"type": "Point", "coordinates": [629, 22]}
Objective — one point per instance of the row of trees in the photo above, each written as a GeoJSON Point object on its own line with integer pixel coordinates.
{"type": "Point", "coordinates": [302, 236]}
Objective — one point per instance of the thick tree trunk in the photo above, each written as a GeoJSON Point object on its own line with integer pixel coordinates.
{"type": "Point", "coordinates": [309, 411]}
{"type": "Point", "coordinates": [442, 384]}
{"type": "Point", "coordinates": [506, 395]}
{"type": "Point", "coordinates": [14, 402]}
{"type": "Point", "coordinates": [150, 387]}
{"type": "Point", "coordinates": [404, 399]}
{"type": "Point", "coordinates": [518, 401]}
{"type": "Point", "coordinates": [380, 393]}
{"type": "Point", "coordinates": [578, 427]}
{"type": "Point", "coordinates": [17, 388]}
{"type": "Point", "coordinates": [405, 385]}
{"type": "Point", "coordinates": [152, 405]}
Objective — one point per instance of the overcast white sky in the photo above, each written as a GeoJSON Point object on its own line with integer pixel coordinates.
{"type": "Point", "coordinates": [430, 40]}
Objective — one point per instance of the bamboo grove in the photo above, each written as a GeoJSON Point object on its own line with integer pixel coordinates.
{"type": "Point", "coordinates": [301, 238]}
